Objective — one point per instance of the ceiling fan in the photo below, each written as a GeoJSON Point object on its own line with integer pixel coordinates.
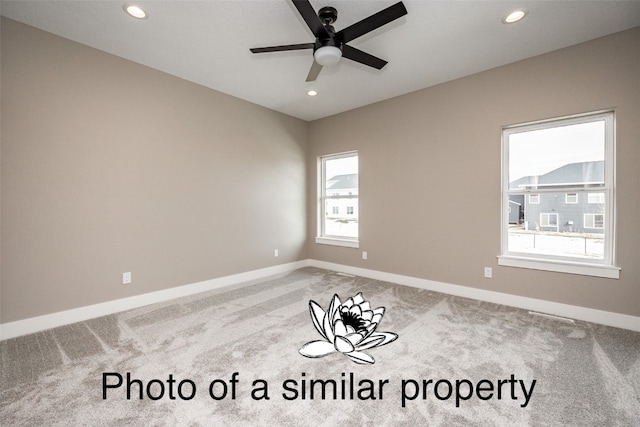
{"type": "Point", "coordinates": [330, 45]}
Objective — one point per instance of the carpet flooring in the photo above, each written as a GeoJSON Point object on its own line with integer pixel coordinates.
{"type": "Point", "coordinates": [232, 357]}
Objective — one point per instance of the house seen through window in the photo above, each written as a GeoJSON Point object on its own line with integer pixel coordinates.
{"type": "Point", "coordinates": [338, 199]}
{"type": "Point", "coordinates": [558, 195]}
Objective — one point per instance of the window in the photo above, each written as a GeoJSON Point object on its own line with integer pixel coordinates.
{"type": "Point", "coordinates": [595, 198]}
{"type": "Point", "coordinates": [571, 198]}
{"type": "Point", "coordinates": [338, 192]}
{"type": "Point", "coordinates": [564, 171]}
{"type": "Point", "coordinates": [594, 221]}
{"type": "Point", "coordinates": [549, 220]}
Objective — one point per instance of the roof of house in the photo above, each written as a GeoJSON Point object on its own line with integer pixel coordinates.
{"type": "Point", "coordinates": [343, 182]}
{"type": "Point", "coordinates": [569, 174]}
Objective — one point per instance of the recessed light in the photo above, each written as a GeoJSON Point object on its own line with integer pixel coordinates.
{"type": "Point", "coordinates": [135, 11]}
{"type": "Point", "coordinates": [312, 92]}
{"type": "Point", "coordinates": [514, 16]}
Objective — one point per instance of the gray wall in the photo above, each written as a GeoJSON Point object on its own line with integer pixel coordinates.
{"type": "Point", "coordinates": [109, 166]}
{"type": "Point", "coordinates": [430, 172]}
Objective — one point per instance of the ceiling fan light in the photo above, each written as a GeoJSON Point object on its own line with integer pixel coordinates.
{"type": "Point", "coordinates": [327, 55]}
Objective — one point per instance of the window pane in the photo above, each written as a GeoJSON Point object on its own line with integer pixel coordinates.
{"type": "Point", "coordinates": [553, 227]}
{"type": "Point", "coordinates": [571, 198]}
{"type": "Point", "coordinates": [341, 176]}
{"type": "Point", "coordinates": [595, 197]}
{"type": "Point", "coordinates": [568, 156]}
{"type": "Point", "coordinates": [343, 224]}
{"type": "Point", "coordinates": [549, 220]}
{"type": "Point", "coordinates": [340, 196]}
{"type": "Point", "coordinates": [595, 221]}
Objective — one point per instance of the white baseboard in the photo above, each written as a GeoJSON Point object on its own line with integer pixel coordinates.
{"type": "Point", "coordinates": [557, 309]}
{"type": "Point", "coordinates": [48, 321]}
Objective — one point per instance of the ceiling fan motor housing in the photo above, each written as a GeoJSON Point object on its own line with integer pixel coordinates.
{"type": "Point", "coordinates": [327, 42]}
{"type": "Point", "coordinates": [328, 15]}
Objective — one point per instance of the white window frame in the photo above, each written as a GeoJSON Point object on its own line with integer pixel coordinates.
{"type": "Point", "coordinates": [548, 217]}
{"type": "Point", "coordinates": [321, 237]}
{"type": "Point", "coordinates": [598, 267]}
{"type": "Point", "coordinates": [596, 198]}
{"type": "Point", "coordinates": [571, 198]}
{"type": "Point", "coordinates": [534, 199]}
{"type": "Point", "coordinates": [592, 221]}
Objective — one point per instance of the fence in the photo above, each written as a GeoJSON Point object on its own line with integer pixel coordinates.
{"type": "Point", "coordinates": [574, 245]}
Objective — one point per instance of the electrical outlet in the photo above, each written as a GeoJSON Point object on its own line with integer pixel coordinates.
{"type": "Point", "coordinates": [126, 278]}
{"type": "Point", "coordinates": [275, 253]}
{"type": "Point", "coordinates": [488, 272]}
{"type": "Point", "coordinates": [364, 255]}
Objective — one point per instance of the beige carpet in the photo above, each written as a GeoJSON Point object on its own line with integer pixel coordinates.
{"type": "Point", "coordinates": [232, 357]}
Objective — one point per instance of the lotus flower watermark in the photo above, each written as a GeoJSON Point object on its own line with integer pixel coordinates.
{"type": "Point", "coordinates": [347, 328]}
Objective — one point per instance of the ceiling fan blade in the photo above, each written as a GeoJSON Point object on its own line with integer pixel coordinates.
{"type": "Point", "coordinates": [311, 18]}
{"type": "Point", "coordinates": [371, 23]}
{"type": "Point", "coordinates": [298, 46]}
{"type": "Point", "coordinates": [314, 71]}
{"type": "Point", "coordinates": [362, 57]}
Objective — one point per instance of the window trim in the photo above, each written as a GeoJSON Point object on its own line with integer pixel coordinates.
{"type": "Point", "coordinates": [600, 268]}
{"type": "Point", "coordinates": [593, 221]}
{"type": "Point", "coordinates": [321, 238]}
{"type": "Point", "coordinates": [598, 201]}
{"type": "Point", "coordinates": [548, 224]}
{"type": "Point", "coordinates": [569, 198]}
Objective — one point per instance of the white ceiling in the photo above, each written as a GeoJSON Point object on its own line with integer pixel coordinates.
{"type": "Point", "coordinates": [208, 42]}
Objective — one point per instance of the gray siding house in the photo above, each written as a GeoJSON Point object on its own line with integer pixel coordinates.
{"type": "Point", "coordinates": [582, 211]}
{"type": "Point", "coordinates": [343, 186]}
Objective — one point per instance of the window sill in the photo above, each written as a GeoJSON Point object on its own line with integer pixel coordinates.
{"type": "Point", "coordinates": [338, 242]}
{"type": "Point", "coordinates": [584, 269]}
